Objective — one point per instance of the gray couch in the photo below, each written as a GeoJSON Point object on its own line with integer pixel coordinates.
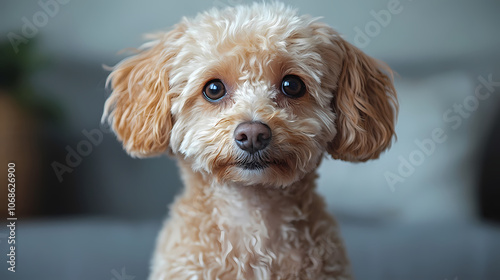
{"type": "Point", "coordinates": [92, 248]}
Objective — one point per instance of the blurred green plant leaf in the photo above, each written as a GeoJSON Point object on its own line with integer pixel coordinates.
{"type": "Point", "coordinates": [16, 70]}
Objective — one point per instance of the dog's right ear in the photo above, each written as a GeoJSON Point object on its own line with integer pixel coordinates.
{"type": "Point", "coordinates": [365, 100]}
{"type": "Point", "coordinates": [138, 109]}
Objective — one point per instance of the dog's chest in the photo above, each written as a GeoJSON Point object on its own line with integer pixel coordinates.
{"type": "Point", "coordinates": [263, 236]}
{"type": "Point", "coordinates": [250, 237]}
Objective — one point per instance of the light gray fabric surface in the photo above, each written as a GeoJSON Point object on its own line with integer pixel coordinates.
{"type": "Point", "coordinates": [105, 249]}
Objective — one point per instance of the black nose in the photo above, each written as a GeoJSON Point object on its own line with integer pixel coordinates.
{"type": "Point", "coordinates": [252, 136]}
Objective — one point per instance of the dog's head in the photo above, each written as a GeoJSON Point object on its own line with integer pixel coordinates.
{"type": "Point", "coordinates": [254, 95]}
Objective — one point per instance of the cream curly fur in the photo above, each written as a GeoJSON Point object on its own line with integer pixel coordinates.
{"type": "Point", "coordinates": [233, 222]}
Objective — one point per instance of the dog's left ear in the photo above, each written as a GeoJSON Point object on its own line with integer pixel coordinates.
{"type": "Point", "coordinates": [139, 106]}
{"type": "Point", "coordinates": [364, 101]}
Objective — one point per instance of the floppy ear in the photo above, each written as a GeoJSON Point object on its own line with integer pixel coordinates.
{"type": "Point", "coordinates": [365, 103]}
{"type": "Point", "coordinates": [139, 106]}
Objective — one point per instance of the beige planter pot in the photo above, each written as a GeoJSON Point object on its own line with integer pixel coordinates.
{"type": "Point", "coordinates": [19, 143]}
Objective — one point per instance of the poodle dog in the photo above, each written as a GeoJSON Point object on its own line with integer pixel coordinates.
{"type": "Point", "coordinates": [249, 99]}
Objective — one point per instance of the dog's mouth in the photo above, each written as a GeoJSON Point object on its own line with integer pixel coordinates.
{"type": "Point", "coordinates": [253, 165]}
{"type": "Point", "coordinates": [257, 164]}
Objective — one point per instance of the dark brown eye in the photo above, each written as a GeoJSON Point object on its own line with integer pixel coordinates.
{"type": "Point", "coordinates": [292, 86]}
{"type": "Point", "coordinates": [214, 90]}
